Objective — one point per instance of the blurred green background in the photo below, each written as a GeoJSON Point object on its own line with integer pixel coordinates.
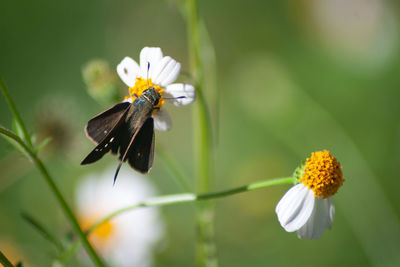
{"type": "Point", "coordinates": [294, 77]}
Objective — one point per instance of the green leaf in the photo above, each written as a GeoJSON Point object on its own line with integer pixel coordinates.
{"type": "Point", "coordinates": [69, 252]}
{"type": "Point", "coordinates": [14, 142]}
{"type": "Point", "coordinates": [17, 128]}
{"type": "Point", "coordinates": [15, 112]}
{"type": "Point", "coordinates": [33, 138]}
{"type": "Point", "coordinates": [42, 144]}
{"type": "Point", "coordinates": [43, 231]}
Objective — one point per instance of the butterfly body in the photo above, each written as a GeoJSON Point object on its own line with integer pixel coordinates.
{"type": "Point", "coordinates": [126, 129]}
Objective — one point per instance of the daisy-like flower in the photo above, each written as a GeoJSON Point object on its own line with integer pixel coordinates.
{"type": "Point", "coordinates": [128, 239]}
{"type": "Point", "coordinates": [159, 72]}
{"type": "Point", "coordinates": [308, 206]}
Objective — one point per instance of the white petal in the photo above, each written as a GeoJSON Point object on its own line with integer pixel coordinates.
{"type": "Point", "coordinates": [162, 120]}
{"type": "Point", "coordinates": [331, 212]}
{"type": "Point", "coordinates": [290, 197]}
{"type": "Point", "coordinates": [180, 94]}
{"type": "Point", "coordinates": [127, 70]}
{"type": "Point", "coordinates": [152, 56]}
{"type": "Point", "coordinates": [166, 72]}
{"type": "Point", "coordinates": [319, 220]}
{"type": "Point", "coordinates": [295, 207]}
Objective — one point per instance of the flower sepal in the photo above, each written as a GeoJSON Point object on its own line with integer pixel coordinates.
{"type": "Point", "coordinates": [298, 173]}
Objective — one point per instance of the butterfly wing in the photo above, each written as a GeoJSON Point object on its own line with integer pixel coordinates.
{"type": "Point", "coordinates": [101, 125]}
{"type": "Point", "coordinates": [141, 154]}
{"type": "Point", "coordinates": [134, 141]}
{"type": "Point", "coordinates": [107, 137]}
{"type": "Point", "coordinates": [136, 145]}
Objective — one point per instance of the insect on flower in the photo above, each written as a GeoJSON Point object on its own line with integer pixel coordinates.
{"type": "Point", "coordinates": [127, 128]}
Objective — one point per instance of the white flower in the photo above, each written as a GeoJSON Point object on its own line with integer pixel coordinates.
{"type": "Point", "coordinates": [300, 211]}
{"type": "Point", "coordinates": [308, 206]}
{"type": "Point", "coordinates": [159, 72]}
{"type": "Point", "coordinates": [129, 238]}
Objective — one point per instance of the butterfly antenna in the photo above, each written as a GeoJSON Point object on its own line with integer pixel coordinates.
{"type": "Point", "coordinates": [178, 97]}
{"type": "Point", "coordinates": [117, 171]}
{"type": "Point", "coordinates": [147, 75]}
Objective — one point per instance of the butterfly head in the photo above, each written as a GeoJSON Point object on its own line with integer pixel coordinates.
{"type": "Point", "coordinates": [153, 96]}
{"type": "Point", "coordinates": [154, 92]}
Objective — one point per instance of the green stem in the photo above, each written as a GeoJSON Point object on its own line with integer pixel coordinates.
{"type": "Point", "coordinates": [53, 187]}
{"type": "Point", "coordinates": [15, 112]}
{"type": "Point", "coordinates": [31, 152]}
{"type": "Point", "coordinates": [206, 252]}
{"type": "Point", "coordinates": [183, 198]}
{"type": "Point", "coordinates": [4, 261]}
{"type": "Point", "coordinates": [190, 197]}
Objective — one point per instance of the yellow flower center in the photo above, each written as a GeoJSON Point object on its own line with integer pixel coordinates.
{"type": "Point", "coordinates": [142, 85]}
{"type": "Point", "coordinates": [322, 174]}
{"type": "Point", "coordinates": [102, 234]}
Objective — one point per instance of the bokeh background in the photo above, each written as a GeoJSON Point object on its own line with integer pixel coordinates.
{"type": "Point", "coordinates": [293, 77]}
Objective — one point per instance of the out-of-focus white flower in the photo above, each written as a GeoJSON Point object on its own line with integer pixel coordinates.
{"type": "Point", "coordinates": [308, 206]}
{"type": "Point", "coordinates": [129, 238]}
{"type": "Point", "coordinates": [158, 72]}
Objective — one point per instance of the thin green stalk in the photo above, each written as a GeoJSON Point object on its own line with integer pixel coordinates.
{"type": "Point", "coordinates": [206, 248]}
{"type": "Point", "coordinates": [203, 141]}
{"type": "Point", "coordinates": [4, 261]}
{"type": "Point", "coordinates": [15, 112]}
{"type": "Point", "coordinates": [31, 152]}
{"type": "Point", "coordinates": [190, 197]}
{"type": "Point", "coordinates": [183, 198]}
{"type": "Point", "coordinates": [53, 187]}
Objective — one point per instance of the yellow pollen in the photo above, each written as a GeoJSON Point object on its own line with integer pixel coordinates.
{"type": "Point", "coordinates": [322, 174]}
{"type": "Point", "coordinates": [101, 235]}
{"type": "Point", "coordinates": [140, 86]}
